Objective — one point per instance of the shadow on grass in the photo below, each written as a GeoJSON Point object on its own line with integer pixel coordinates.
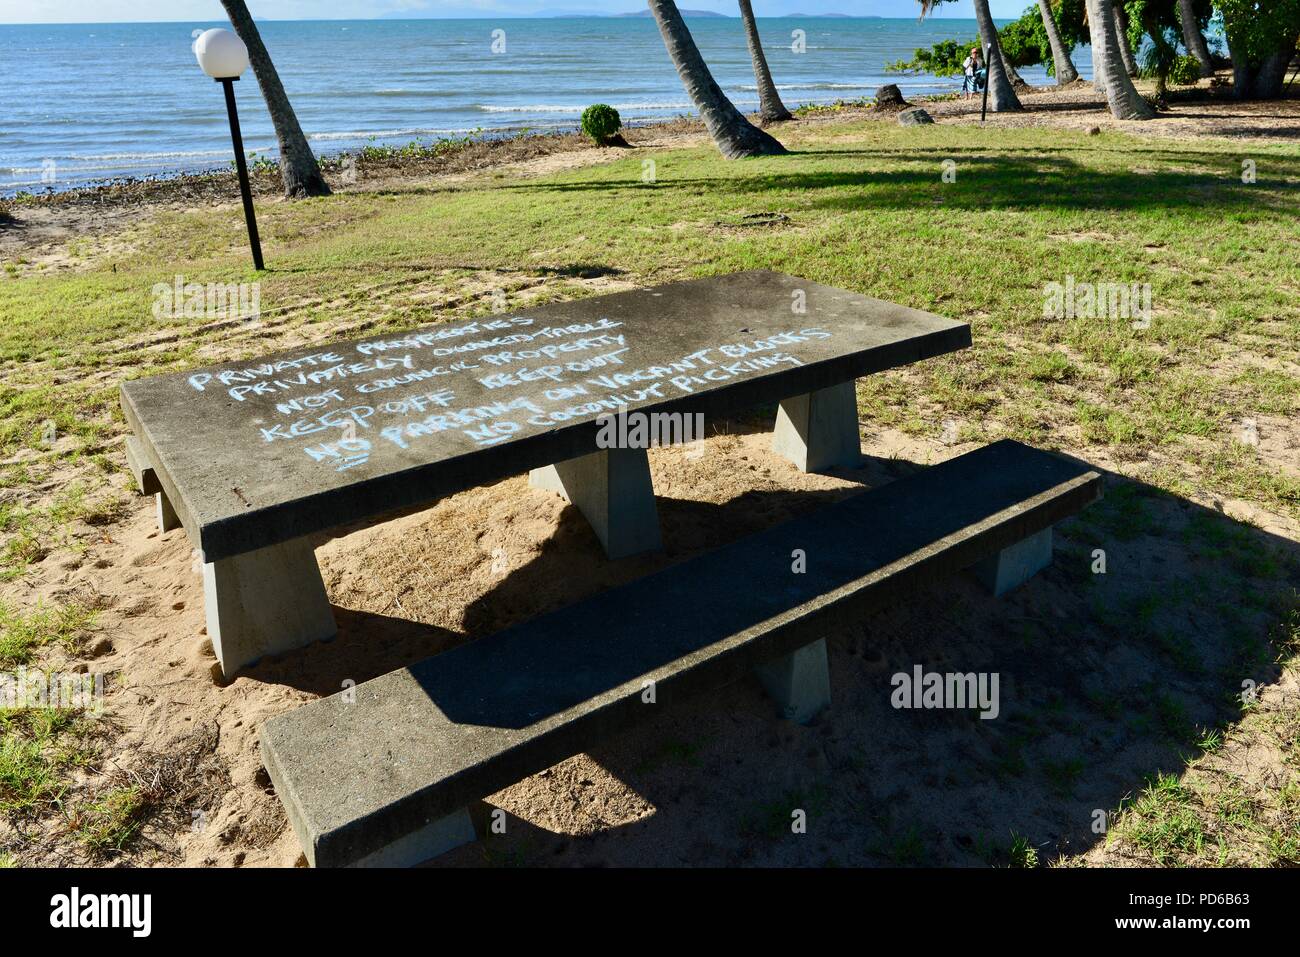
{"type": "Point", "coordinates": [987, 177]}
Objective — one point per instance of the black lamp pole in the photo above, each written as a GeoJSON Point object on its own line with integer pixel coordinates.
{"type": "Point", "coordinates": [988, 75]}
{"type": "Point", "coordinates": [227, 83]}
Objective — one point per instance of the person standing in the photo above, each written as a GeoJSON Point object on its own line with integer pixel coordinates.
{"type": "Point", "coordinates": [973, 73]}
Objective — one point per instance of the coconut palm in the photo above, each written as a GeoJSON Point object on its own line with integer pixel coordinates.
{"type": "Point", "coordinates": [298, 167]}
{"type": "Point", "coordinates": [1125, 101]}
{"type": "Point", "coordinates": [770, 107]}
{"type": "Point", "coordinates": [1193, 38]}
{"type": "Point", "coordinates": [1002, 96]}
{"type": "Point", "coordinates": [734, 135]}
{"type": "Point", "coordinates": [1098, 70]}
{"type": "Point", "coordinates": [1121, 33]}
{"type": "Point", "coordinates": [1061, 63]}
{"type": "Point", "coordinates": [1017, 81]}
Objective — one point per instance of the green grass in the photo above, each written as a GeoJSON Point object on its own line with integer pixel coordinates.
{"type": "Point", "coordinates": [864, 208]}
{"type": "Point", "coordinates": [110, 822]}
{"type": "Point", "coordinates": [22, 635]}
{"type": "Point", "coordinates": [1164, 821]}
{"type": "Point", "coordinates": [38, 747]}
{"type": "Point", "coordinates": [1022, 853]}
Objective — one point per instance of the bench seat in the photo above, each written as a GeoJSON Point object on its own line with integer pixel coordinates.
{"type": "Point", "coordinates": [382, 777]}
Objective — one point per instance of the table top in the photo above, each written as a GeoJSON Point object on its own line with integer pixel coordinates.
{"type": "Point", "coordinates": [258, 452]}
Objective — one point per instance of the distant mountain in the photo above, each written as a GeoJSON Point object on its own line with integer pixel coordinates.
{"type": "Point", "coordinates": [685, 13]}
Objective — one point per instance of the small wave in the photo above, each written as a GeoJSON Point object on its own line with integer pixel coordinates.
{"type": "Point", "coordinates": [569, 108]}
{"type": "Point", "coordinates": [383, 134]}
{"type": "Point", "coordinates": [810, 86]}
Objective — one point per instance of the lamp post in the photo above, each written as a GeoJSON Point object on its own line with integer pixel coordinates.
{"type": "Point", "coordinates": [223, 56]}
{"type": "Point", "coordinates": [988, 75]}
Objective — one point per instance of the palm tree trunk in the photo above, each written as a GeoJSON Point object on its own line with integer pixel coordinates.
{"type": "Point", "coordinates": [1094, 44]}
{"type": "Point", "coordinates": [298, 167]}
{"type": "Point", "coordinates": [1061, 63]}
{"type": "Point", "coordinates": [734, 135]}
{"type": "Point", "coordinates": [770, 107]}
{"type": "Point", "coordinates": [1125, 102]}
{"type": "Point", "coordinates": [1193, 38]}
{"type": "Point", "coordinates": [1017, 81]}
{"type": "Point", "coordinates": [1121, 33]}
{"type": "Point", "coordinates": [1002, 97]}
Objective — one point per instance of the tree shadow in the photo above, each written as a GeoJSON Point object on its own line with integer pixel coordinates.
{"type": "Point", "coordinates": [987, 177]}
{"type": "Point", "coordinates": [1106, 679]}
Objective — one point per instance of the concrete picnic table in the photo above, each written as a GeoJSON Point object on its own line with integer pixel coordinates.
{"type": "Point", "coordinates": [253, 457]}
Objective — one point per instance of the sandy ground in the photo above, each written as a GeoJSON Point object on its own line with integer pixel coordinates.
{"type": "Point", "coordinates": [713, 782]}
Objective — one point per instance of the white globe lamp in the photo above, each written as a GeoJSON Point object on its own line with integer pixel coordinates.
{"type": "Point", "coordinates": [223, 56]}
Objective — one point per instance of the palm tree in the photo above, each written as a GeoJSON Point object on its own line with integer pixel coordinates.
{"type": "Point", "coordinates": [298, 167]}
{"type": "Point", "coordinates": [1125, 101]}
{"type": "Point", "coordinates": [734, 135]}
{"type": "Point", "coordinates": [1121, 33]}
{"type": "Point", "coordinates": [1017, 81]}
{"type": "Point", "coordinates": [1193, 38]}
{"type": "Point", "coordinates": [1002, 96]}
{"type": "Point", "coordinates": [1061, 63]}
{"type": "Point", "coordinates": [1098, 70]}
{"type": "Point", "coordinates": [770, 107]}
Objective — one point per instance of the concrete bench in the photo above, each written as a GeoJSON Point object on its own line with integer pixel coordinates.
{"type": "Point", "coordinates": [253, 458]}
{"type": "Point", "coordinates": [386, 777]}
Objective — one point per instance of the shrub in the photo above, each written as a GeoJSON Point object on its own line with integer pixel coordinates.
{"type": "Point", "coordinates": [601, 122]}
{"type": "Point", "coordinates": [1185, 71]}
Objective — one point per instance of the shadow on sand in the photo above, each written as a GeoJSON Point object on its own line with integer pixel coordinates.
{"type": "Point", "coordinates": [1104, 680]}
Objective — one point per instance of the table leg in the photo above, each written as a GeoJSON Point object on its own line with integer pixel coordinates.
{"type": "Point", "coordinates": [819, 430]}
{"type": "Point", "coordinates": [612, 489]}
{"type": "Point", "coordinates": [167, 519]}
{"type": "Point", "coordinates": [265, 602]}
{"type": "Point", "coordinates": [1016, 564]}
{"type": "Point", "coordinates": [800, 682]}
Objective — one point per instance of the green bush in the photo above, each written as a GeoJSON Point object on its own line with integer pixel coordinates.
{"type": "Point", "coordinates": [601, 122]}
{"type": "Point", "coordinates": [1185, 71]}
{"type": "Point", "coordinates": [943, 59]}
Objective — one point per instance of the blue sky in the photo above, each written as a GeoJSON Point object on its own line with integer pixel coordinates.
{"type": "Point", "coordinates": [101, 11]}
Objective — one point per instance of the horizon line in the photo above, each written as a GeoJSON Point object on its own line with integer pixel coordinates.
{"type": "Point", "coordinates": [498, 16]}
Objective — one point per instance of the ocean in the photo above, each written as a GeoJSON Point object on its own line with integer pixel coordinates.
{"type": "Point", "coordinates": [86, 103]}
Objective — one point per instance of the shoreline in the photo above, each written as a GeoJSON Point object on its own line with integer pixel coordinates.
{"type": "Point", "coordinates": [486, 148]}
{"type": "Point", "coordinates": [37, 231]}
{"type": "Point", "coordinates": [264, 174]}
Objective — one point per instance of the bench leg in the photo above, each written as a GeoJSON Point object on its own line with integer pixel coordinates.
{"type": "Point", "coordinates": [264, 602]}
{"type": "Point", "coordinates": [435, 838]}
{"type": "Point", "coordinates": [800, 682]}
{"type": "Point", "coordinates": [167, 519]}
{"type": "Point", "coordinates": [612, 489]}
{"type": "Point", "coordinates": [1016, 564]}
{"type": "Point", "coordinates": [819, 430]}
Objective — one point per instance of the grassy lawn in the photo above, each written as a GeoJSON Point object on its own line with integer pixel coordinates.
{"type": "Point", "coordinates": [1197, 404]}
